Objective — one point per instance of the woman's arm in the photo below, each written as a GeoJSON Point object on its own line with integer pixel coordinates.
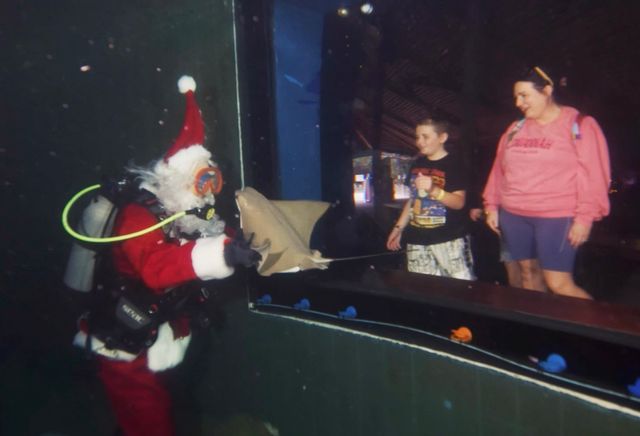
{"type": "Point", "coordinates": [594, 179]}
{"type": "Point", "coordinates": [491, 193]}
{"type": "Point", "coordinates": [594, 173]}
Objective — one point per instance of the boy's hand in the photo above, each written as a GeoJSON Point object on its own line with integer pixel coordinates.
{"type": "Point", "coordinates": [424, 183]}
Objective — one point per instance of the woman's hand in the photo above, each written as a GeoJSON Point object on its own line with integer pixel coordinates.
{"type": "Point", "coordinates": [578, 234]}
{"type": "Point", "coordinates": [475, 214]}
{"type": "Point", "coordinates": [492, 221]}
{"type": "Point", "coordinates": [393, 241]}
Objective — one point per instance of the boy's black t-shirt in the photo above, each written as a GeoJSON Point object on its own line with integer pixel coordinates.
{"type": "Point", "coordinates": [430, 221]}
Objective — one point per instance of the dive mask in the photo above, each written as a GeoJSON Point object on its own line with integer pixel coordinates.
{"type": "Point", "coordinates": [208, 180]}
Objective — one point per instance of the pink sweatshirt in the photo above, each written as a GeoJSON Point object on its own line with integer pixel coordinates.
{"type": "Point", "coordinates": [543, 172]}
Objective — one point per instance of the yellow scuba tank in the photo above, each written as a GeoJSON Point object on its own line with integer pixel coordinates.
{"type": "Point", "coordinates": [96, 221]}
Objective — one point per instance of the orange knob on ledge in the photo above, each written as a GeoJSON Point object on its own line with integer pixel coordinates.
{"type": "Point", "coordinates": [461, 334]}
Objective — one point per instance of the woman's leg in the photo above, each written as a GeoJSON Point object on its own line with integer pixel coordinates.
{"type": "Point", "coordinates": [557, 256]}
{"type": "Point", "coordinates": [514, 277]}
{"type": "Point", "coordinates": [562, 283]}
{"type": "Point", "coordinates": [531, 275]}
{"type": "Point", "coordinates": [518, 246]}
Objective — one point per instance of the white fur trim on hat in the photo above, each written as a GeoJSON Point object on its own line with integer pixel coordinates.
{"type": "Point", "coordinates": [186, 84]}
{"type": "Point", "coordinates": [207, 258]}
{"type": "Point", "coordinates": [189, 158]}
{"type": "Point", "coordinates": [166, 352]}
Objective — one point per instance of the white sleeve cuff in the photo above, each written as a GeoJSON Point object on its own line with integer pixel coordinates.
{"type": "Point", "coordinates": [207, 258]}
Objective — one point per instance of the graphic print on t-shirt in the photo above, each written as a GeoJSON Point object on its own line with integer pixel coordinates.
{"type": "Point", "coordinates": [425, 212]}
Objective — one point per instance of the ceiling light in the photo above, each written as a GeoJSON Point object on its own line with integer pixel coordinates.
{"type": "Point", "coordinates": [366, 8]}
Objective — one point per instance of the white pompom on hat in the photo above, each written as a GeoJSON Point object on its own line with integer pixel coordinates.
{"type": "Point", "coordinates": [186, 84]}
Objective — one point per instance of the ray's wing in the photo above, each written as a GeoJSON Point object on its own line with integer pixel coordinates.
{"type": "Point", "coordinates": [269, 263]}
{"type": "Point", "coordinates": [302, 215]}
{"type": "Point", "coordinates": [283, 229]}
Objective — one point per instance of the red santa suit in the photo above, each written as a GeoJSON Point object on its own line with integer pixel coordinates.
{"type": "Point", "coordinates": [140, 401]}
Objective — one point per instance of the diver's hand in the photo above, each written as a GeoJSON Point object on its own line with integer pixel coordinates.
{"type": "Point", "coordinates": [237, 251]}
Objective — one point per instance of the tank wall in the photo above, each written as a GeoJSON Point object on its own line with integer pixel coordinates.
{"type": "Point", "coordinates": [307, 379]}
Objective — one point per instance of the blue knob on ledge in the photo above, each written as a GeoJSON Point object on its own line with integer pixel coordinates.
{"type": "Point", "coordinates": [303, 304]}
{"type": "Point", "coordinates": [349, 313]}
{"type": "Point", "coordinates": [265, 299]}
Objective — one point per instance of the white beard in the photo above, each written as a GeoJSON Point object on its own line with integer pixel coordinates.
{"type": "Point", "coordinates": [174, 189]}
{"type": "Point", "coordinates": [176, 200]}
{"type": "Point", "coordinates": [192, 225]}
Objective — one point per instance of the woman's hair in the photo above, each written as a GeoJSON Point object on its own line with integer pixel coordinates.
{"type": "Point", "coordinates": [439, 126]}
{"type": "Point", "coordinates": [536, 75]}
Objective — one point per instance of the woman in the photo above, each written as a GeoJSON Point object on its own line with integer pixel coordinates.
{"type": "Point", "coordinates": [548, 184]}
{"type": "Point", "coordinates": [435, 223]}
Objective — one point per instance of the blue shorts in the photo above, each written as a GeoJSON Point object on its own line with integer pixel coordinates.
{"type": "Point", "coordinates": [505, 256]}
{"type": "Point", "coordinates": [544, 239]}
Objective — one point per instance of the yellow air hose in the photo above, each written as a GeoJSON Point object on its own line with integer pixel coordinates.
{"type": "Point", "coordinates": [72, 232]}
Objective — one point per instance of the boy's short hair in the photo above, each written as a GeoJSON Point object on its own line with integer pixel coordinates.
{"type": "Point", "coordinates": [440, 126]}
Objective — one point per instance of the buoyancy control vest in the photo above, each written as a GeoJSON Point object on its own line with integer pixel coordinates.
{"type": "Point", "coordinates": [121, 311]}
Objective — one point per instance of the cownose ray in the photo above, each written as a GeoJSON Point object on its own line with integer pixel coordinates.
{"type": "Point", "coordinates": [281, 231]}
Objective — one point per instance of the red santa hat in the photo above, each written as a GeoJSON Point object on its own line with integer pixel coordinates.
{"type": "Point", "coordinates": [189, 145]}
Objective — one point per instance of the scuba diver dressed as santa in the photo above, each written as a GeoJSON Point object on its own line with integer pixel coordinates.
{"type": "Point", "coordinates": [139, 324]}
